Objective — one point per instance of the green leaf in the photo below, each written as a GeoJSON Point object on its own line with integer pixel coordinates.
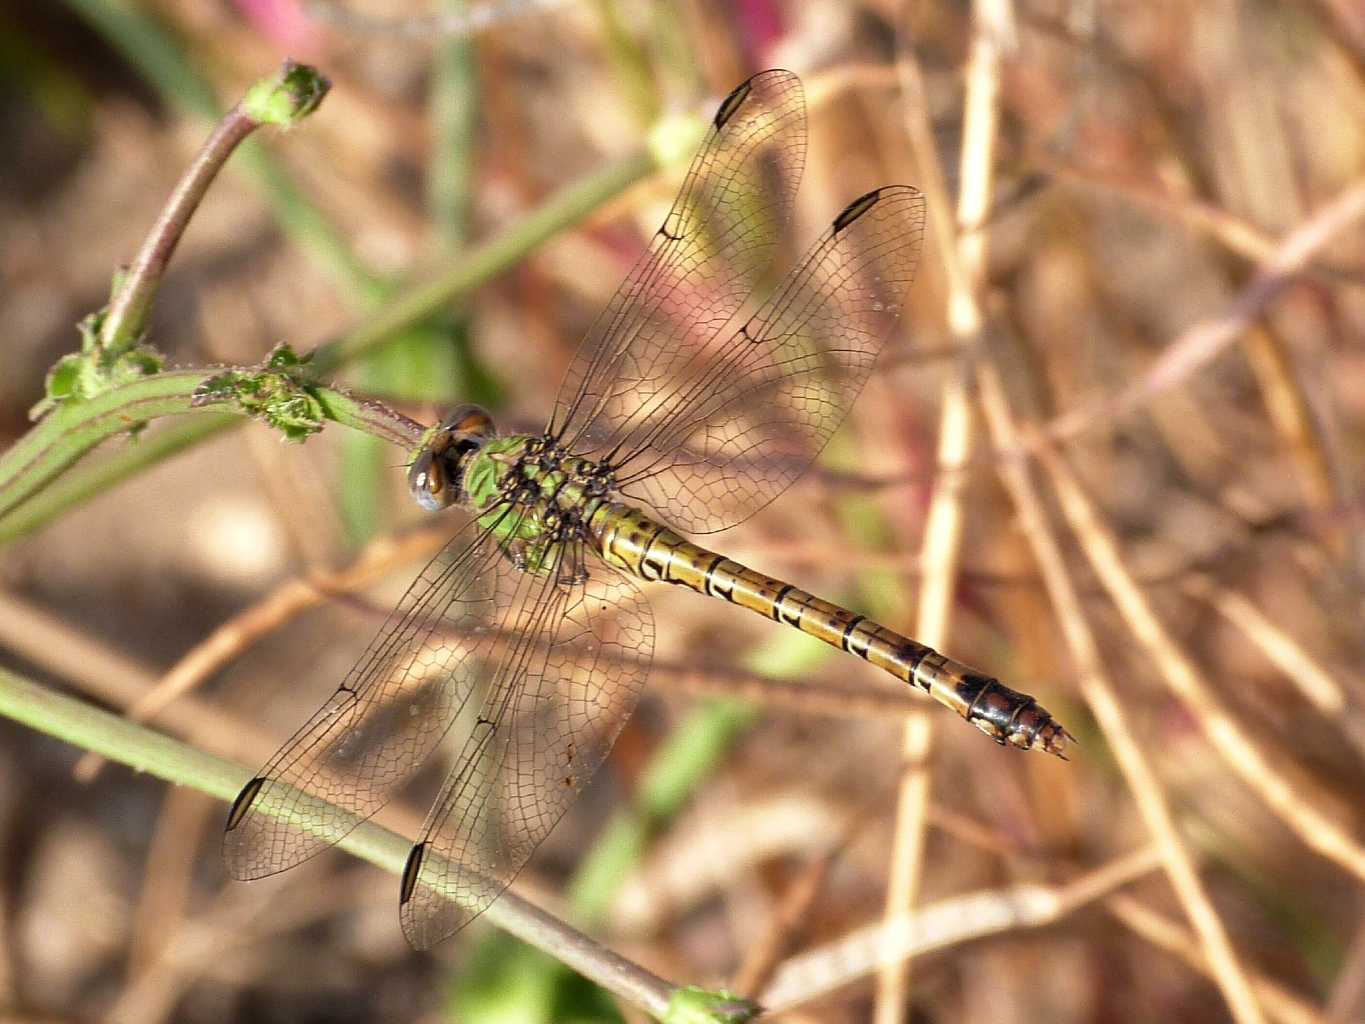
{"type": "Point", "coordinates": [280, 392]}
{"type": "Point", "coordinates": [77, 377]}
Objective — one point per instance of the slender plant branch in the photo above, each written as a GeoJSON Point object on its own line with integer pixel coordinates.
{"type": "Point", "coordinates": [112, 351]}
{"type": "Point", "coordinates": [115, 384]}
{"type": "Point", "coordinates": [292, 404]}
{"type": "Point", "coordinates": [455, 279]}
{"type": "Point", "coordinates": [284, 100]}
{"type": "Point", "coordinates": [1100, 693]}
{"type": "Point", "coordinates": [127, 315]}
{"type": "Point", "coordinates": [963, 237]}
{"type": "Point", "coordinates": [72, 489]}
{"type": "Point", "coordinates": [817, 972]}
{"type": "Point", "coordinates": [1199, 344]}
{"type": "Point", "coordinates": [147, 751]}
{"type": "Point", "coordinates": [72, 429]}
{"type": "Point", "coordinates": [161, 61]}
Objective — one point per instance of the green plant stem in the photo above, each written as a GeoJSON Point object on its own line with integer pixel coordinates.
{"type": "Point", "coordinates": [155, 55]}
{"type": "Point", "coordinates": [458, 277]}
{"type": "Point", "coordinates": [72, 430]}
{"type": "Point", "coordinates": [69, 490]}
{"type": "Point", "coordinates": [454, 116]}
{"type": "Point", "coordinates": [127, 315]}
{"type": "Point", "coordinates": [282, 99]}
{"type": "Point", "coordinates": [463, 273]}
{"type": "Point", "coordinates": [144, 750]}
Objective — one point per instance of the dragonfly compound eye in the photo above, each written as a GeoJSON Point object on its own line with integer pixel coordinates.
{"type": "Point", "coordinates": [430, 483]}
{"type": "Point", "coordinates": [437, 473]}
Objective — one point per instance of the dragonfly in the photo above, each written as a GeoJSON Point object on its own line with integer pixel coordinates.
{"type": "Point", "coordinates": [524, 644]}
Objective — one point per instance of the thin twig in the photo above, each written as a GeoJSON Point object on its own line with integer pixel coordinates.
{"type": "Point", "coordinates": [114, 679]}
{"type": "Point", "coordinates": [1347, 24]}
{"type": "Point", "coordinates": [1236, 234]}
{"type": "Point", "coordinates": [1100, 695]}
{"type": "Point", "coordinates": [950, 922]}
{"type": "Point", "coordinates": [1199, 344]}
{"type": "Point", "coordinates": [283, 99]}
{"type": "Point", "coordinates": [1165, 934]}
{"type": "Point", "coordinates": [126, 318]}
{"type": "Point", "coordinates": [1312, 680]}
{"type": "Point", "coordinates": [230, 640]}
{"type": "Point", "coordinates": [1347, 1001]}
{"type": "Point", "coordinates": [1248, 761]}
{"type": "Point", "coordinates": [167, 879]}
{"type": "Point", "coordinates": [963, 240]}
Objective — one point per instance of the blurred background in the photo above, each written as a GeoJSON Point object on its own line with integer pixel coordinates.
{"type": "Point", "coordinates": [1160, 538]}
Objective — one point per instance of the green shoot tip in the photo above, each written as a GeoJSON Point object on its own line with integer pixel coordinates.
{"type": "Point", "coordinates": [286, 97]}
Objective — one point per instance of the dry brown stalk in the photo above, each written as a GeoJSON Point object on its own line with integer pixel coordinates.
{"type": "Point", "coordinates": [167, 879]}
{"type": "Point", "coordinates": [249, 626]}
{"type": "Point", "coordinates": [111, 677]}
{"type": "Point", "coordinates": [1251, 764]}
{"type": "Point", "coordinates": [1347, 1000]}
{"type": "Point", "coordinates": [1346, 22]}
{"type": "Point", "coordinates": [1313, 681]}
{"type": "Point", "coordinates": [788, 923]}
{"type": "Point", "coordinates": [1234, 233]}
{"type": "Point", "coordinates": [962, 237]}
{"type": "Point", "coordinates": [1166, 934]}
{"type": "Point", "coordinates": [1101, 696]}
{"type": "Point", "coordinates": [949, 922]}
{"type": "Point", "coordinates": [121, 682]}
{"type": "Point", "coordinates": [1199, 344]}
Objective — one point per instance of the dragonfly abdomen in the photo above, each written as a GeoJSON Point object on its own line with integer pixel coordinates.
{"type": "Point", "coordinates": [631, 540]}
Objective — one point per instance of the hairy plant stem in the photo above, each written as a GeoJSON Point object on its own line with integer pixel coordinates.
{"type": "Point", "coordinates": [126, 318]}
{"type": "Point", "coordinates": [37, 458]}
{"type": "Point", "coordinates": [71, 431]}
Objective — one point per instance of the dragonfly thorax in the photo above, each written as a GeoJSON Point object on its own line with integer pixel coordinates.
{"type": "Point", "coordinates": [529, 490]}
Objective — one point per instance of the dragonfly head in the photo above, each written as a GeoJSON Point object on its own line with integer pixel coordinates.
{"type": "Point", "coordinates": [437, 474]}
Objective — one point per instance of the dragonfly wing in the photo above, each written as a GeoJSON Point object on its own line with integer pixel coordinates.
{"type": "Point", "coordinates": [717, 240]}
{"type": "Point", "coordinates": [741, 422]}
{"type": "Point", "coordinates": [550, 714]}
{"type": "Point", "coordinates": [385, 718]}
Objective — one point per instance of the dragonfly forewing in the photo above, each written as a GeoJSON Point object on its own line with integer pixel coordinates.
{"type": "Point", "coordinates": [703, 263]}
